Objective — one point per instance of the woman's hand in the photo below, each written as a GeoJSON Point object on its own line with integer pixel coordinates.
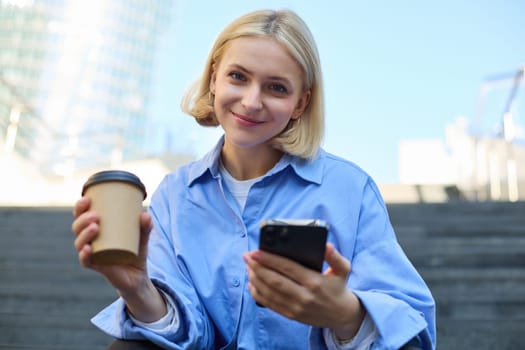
{"type": "Point", "coordinates": [131, 280]}
{"type": "Point", "coordinates": [305, 295]}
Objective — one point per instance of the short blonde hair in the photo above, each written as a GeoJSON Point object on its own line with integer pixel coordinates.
{"type": "Point", "coordinates": [300, 138]}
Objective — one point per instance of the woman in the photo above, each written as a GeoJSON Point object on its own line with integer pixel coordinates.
{"type": "Point", "coordinates": [200, 278]}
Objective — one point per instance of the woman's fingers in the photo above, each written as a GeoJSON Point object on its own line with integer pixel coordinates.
{"type": "Point", "coordinates": [338, 264]}
{"type": "Point", "coordinates": [84, 256]}
{"type": "Point", "coordinates": [83, 217]}
{"type": "Point", "coordinates": [145, 229]}
{"type": "Point", "coordinates": [145, 222]}
{"type": "Point", "coordinates": [86, 236]}
{"type": "Point", "coordinates": [271, 287]}
{"type": "Point", "coordinates": [85, 226]}
{"type": "Point", "coordinates": [84, 220]}
{"type": "Point", "coordinates": [81, 206]}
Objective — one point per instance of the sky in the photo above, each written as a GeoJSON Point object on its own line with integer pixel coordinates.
{"type": "Point", "coordinates": [393, 70]}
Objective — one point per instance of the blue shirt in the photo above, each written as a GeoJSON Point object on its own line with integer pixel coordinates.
{"type": "Point", "coordinates": [200, 235]}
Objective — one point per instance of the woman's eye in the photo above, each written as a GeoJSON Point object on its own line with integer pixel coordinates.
{"type": "Point", "coordinates": [237, 76]}
{"type": "Point", "coordinates": [278, 88]}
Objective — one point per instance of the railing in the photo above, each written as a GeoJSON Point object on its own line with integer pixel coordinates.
{"type": "Point", "coordinates": [503, 182]}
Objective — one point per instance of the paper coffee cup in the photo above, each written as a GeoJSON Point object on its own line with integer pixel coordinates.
{"type": "Point", "coordinates": [117, 197]}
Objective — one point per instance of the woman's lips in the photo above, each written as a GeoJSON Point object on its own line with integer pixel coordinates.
{"type": "Point", "coordinates": [246, 121]}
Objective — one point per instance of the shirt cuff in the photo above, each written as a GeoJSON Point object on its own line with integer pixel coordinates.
{"type": "Point", "coordinates": [167, 324]}
{"type": "Point", "coordinates": [364, 338]}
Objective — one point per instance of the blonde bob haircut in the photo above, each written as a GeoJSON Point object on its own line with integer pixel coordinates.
{"type": "Point", "coordinates": [302, 137]}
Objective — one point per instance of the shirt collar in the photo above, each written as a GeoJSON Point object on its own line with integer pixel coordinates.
{"type": "Point", "coordinates": [308, 170]}
{"type": "Point", "coordinates": [210, 162]}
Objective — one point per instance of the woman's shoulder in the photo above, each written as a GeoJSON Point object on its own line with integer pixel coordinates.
{"type": "Point", "coordinates": [338, 170]}
{"type": "Point", "coordinates": [185, 173]}
{"type": "Point", "coordinates": [335, 165]}
{"type": "Point", "coordinates": [175, 185]}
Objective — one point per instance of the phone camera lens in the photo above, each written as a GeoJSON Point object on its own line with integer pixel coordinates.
{"type": "Point", "coordinates": [283, 236]}
{"type": "Point", "coordinates": [271, 238]}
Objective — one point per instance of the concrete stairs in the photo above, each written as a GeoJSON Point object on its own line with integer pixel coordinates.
{"type": "Point", "coordinates": [46, 297]}
{"type": "Point", "coordinates": [472, 256]}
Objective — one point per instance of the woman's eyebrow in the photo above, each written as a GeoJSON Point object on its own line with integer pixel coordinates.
{"type": "Point", "coordinates": [239, 67]}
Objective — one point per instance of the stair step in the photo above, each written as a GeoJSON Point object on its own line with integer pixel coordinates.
{"type": "Point", "coordinates": [477, 259]}
{"type": "Point", "coordinates": [44, 320]}
{"type": "Point", "coordinates": [6, 346]}
{"type": "Point", "coordinates": [53, 333]}
{"type": "Point", "coordinates": [70, 290]}
{"type": "Point", "coordinates": [53, 273]}
{"type": "Point", "coordinates": [469, 274]}
{"type": "Point", "coordinates": [480, 334]}
{"type": "Point", "coordinates": [472, 229]}
{"type": "Point", "coordinates": [484, 291]}
{"type": "Point", "coordinates": [457, 209]}
{"type": "Point", "coordinates": [481, 310]}
{"type": "Point", "coordinates": [86, 306]}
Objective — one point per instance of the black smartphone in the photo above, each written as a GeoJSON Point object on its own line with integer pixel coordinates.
{"type": "Point", "coordinates": [303, 241]}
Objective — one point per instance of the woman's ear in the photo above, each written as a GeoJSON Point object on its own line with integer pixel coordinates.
{"type": "Point", "coordinates": [303, 102]}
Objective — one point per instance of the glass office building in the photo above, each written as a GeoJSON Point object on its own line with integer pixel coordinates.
{"type": "Point", "coordinates": [75, 79]}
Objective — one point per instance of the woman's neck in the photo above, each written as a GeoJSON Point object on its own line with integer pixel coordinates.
{"type": "Point", "coordinates": [249, 163]}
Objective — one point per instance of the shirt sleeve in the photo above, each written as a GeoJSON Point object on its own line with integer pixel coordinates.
{"type": "Point", "coordinates": [364, 338]}
{"type": "Point", "coordinates": [383, 278]}
{"type": "Point", "coordinates": [395, 296]}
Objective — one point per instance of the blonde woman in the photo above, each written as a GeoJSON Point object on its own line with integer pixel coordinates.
{"type": "Point", "coordinates": [200, 279]}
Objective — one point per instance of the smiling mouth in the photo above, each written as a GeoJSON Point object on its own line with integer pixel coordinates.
{"type": "Point", "coordinates": [245, 120]}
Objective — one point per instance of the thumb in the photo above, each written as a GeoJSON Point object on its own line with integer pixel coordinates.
{"type": "Point", "coordinates": [145, 227]}
{"type": "Point", "coordinates": [338, 264]}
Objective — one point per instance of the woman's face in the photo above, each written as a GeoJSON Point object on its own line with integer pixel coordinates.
{"type": "Point", "coordinates": [258, 88]}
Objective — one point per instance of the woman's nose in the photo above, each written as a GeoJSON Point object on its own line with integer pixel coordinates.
{"type": "Point", "coordinates": [251, 99]}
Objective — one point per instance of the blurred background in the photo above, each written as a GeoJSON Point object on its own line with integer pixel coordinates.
{"type": "Point", "coordinates": [426, 97]}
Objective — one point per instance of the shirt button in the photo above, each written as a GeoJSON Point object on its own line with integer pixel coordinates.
{"type": "Point", "coordinates": [243, 234]}
{"type": "Point", "coordinates": [236, 282]}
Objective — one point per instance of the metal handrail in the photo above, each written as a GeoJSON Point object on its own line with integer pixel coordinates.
{"type": "Point", "coordinates": [505, 134]}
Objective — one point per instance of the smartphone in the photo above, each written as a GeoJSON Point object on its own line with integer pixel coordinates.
{"type": "Point", "coordinates": [303, 241]}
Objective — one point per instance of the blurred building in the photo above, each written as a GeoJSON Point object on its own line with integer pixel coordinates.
{"type": "Point", "coordinates": [480, 159]}
{"type": "Point", "coordinates": [75, 79]}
